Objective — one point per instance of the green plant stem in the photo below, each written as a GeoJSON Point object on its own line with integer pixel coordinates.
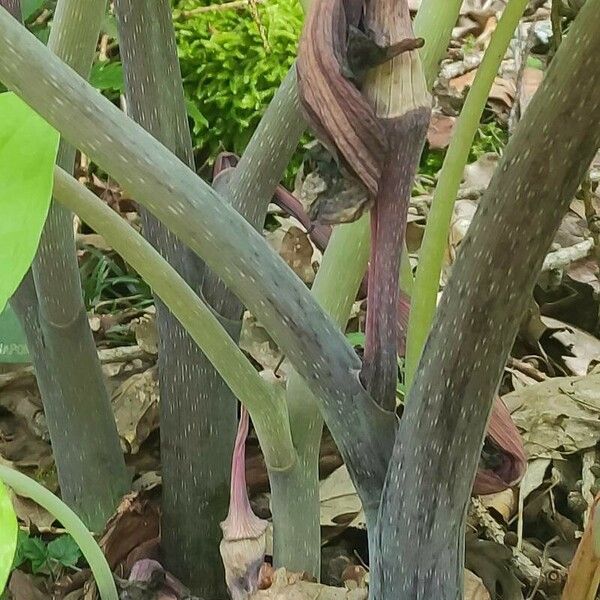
{"type": "Point", "coordinates": [264, 403]}
{"type": "Point", "coordinates": [85, 443]}
{"type": "Point", "coordinates": [249, 188]}
{"type": "Point", "coordinates": [28, 488]}
{"type": "Point", "coordinates": [438, 222]}
{"type": "Point", "coordinates": [434, 22]}
{"type": "Point", "coordinates": [196, 457]}
{"type": "Point", "coordinates": [297, 542]}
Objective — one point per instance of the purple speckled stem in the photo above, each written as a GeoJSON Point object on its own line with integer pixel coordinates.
{"type": "Point", "coordinates": [388, 226]}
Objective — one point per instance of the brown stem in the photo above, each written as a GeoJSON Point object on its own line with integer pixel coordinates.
{"type": "Point", "coordinates": [380, 367]}
{"type": "Point", "coordinates": [13, 7]}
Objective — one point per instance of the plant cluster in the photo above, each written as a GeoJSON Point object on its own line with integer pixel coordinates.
{"type": "Point", "coordinates": [204, 257]}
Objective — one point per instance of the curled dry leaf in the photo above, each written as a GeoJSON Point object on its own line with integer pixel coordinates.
{"type": "Point", "coordinates": [30, 513]}
{"type": "Point", "coordinates": [146, 334]}
{"type": "Point", "coordinates": [136, 522]}
{"type": "Point", "coordinates": [255, 340]}
{"type": "Point", "coordinates": [339, 502]}
{"type": "Point", "coordinates": [581, 349]}
{"type": "Point", "coordinates": [503, 503]}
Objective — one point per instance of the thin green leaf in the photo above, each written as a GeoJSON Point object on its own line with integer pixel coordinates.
{"type": "Point", "coordinates": [8, 535]}
{"type": "Point", "coordinates": [28, 147]}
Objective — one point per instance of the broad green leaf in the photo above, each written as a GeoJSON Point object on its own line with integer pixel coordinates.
{"type": "Point", "coordinates": [64, 550]}
{"type": "Point", "coordinates": [34, 550]}
{"type": "Point", "coordinates": [13, 344]}
{"type": "Point", "coordinates": [8, 535]}
{"type": "Point", "coordinates": [28, 147]}
{"type": "Point", "coordinates": [107, 76]}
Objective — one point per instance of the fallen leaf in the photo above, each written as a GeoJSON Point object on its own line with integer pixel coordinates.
{"type": "Point", "coordinates": [31, 513]}
{"type": "Point", "coordinates": [558, 416]}
{"type": "Point", "coordinates": [491, 562]}
{"type": "Point", "coordinates": [20, 445]}
{"type": "Point", "coordinates": [146, 334]}
{"type": "Point", "coordinates": [340, 505]}
{"type": "Point", "coordinates": [135, 405]}
{"type": "Point", "coordinates": [255, 340]}
{"type": "Point", "coordinates": [534, 476]}
{"type": "Point", "coordinates": [581, 349]}
{"type": "Point", "coordinates": [479, 173]}
{"type": "Point", "coordinates": [135, 522]}
{"type": "Point", "coordinates": [474, 588]}
{"type": "Point", "coordinates": [504, 503]}
{"type": "Point", "coordinates": [502, 90]}
{"type": "Point", "coordinates": [297, 251]}
{"type": "Point", "coordinates": [22, 587]}
{"type": "Point", "coordinates": [440, 130]}
{"type": "Point", "coordinates": [291, 586]}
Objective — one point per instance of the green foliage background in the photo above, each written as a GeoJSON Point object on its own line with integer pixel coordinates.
{"type": "Point", "coordinates": [230, 73]}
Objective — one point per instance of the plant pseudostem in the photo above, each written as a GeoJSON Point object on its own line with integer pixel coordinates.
{"type": "Point", "coordinates": [426, 285]}
{"type": "Point", "coordinates": [195, 458]}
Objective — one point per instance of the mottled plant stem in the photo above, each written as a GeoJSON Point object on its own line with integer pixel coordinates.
{"type": "Point", "coordinates": [263, 401]}
{"type": "Point", "coordinates": [397, 92]}
{"type": "Point", "coordinates": [198, 422]}
{"type": "Point", "coordinates": [85, 443]}
{"type": "Point", "coordinates": [388, 218]}
{"type": "Point", "coordinates": [249, 188]}
{"type": "Point", "coordinates": [419, 551]}
{"type": "Point", "coordinates": [228, 244]}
